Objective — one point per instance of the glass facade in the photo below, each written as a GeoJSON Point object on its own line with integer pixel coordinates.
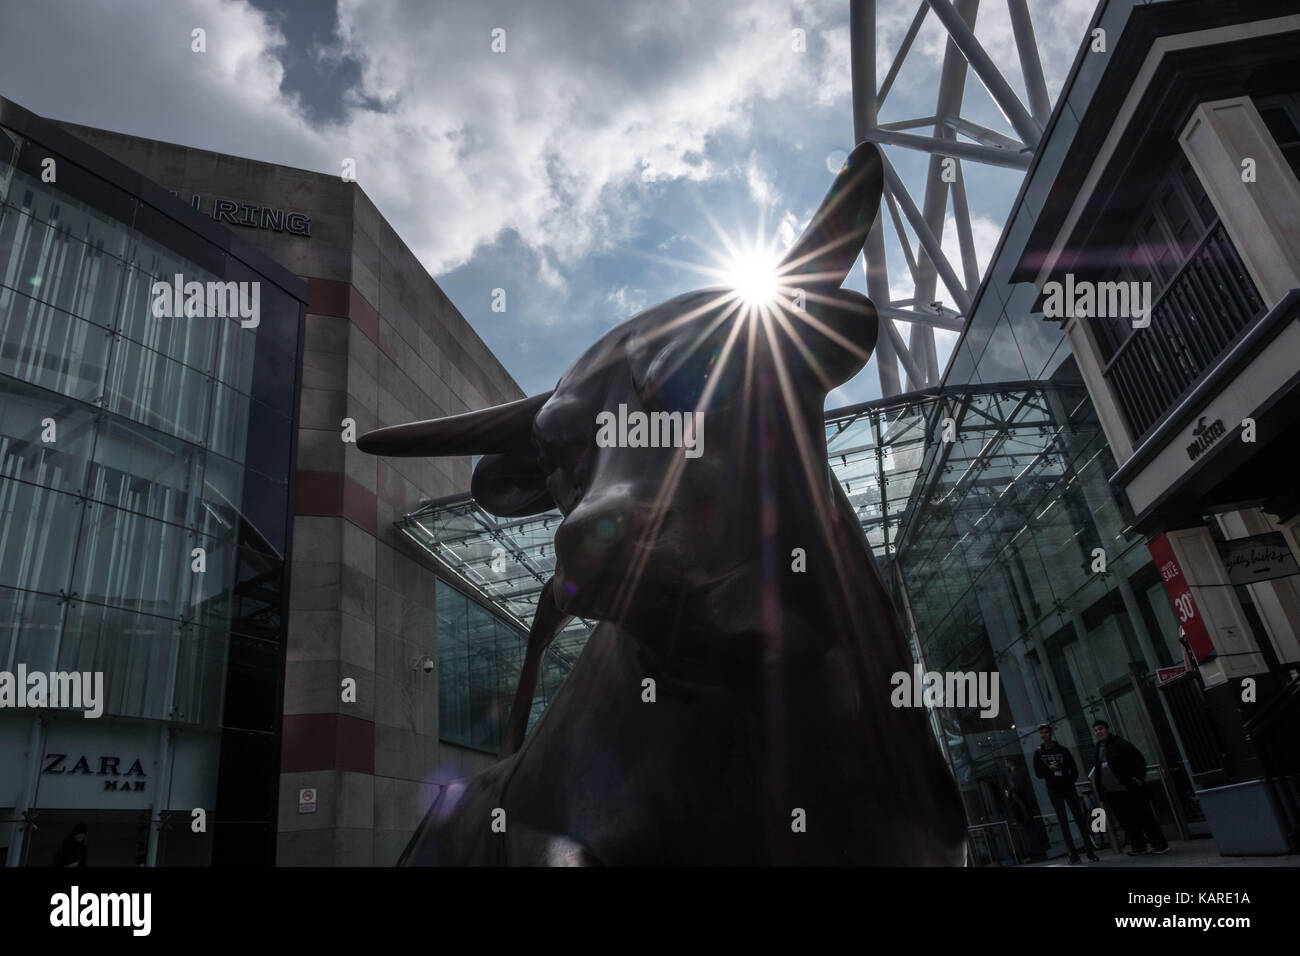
{"type": "Point", "coordinates": [1016, 559]}
{"type": "Point", "coordinates": [506, 562]}
{"type": "Point", "coordinates": [1014, 556]}
{"type": "Point", "coordinates": [145, 510]}
{"type": "Point", "coordinates": [480, 656]}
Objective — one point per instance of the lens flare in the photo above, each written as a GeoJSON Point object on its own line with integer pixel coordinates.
{"type": "Point", "coordinates": [752, 273]}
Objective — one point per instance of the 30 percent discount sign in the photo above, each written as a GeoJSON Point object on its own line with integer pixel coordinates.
{"type": "Point", "coordinates": [1180, 594]}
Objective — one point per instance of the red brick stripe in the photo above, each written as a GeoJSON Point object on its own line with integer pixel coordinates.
{"type": "Point", "coordinates": [330, 297]}
{"type": "Point", "coordinates": [328, 493]}
{"type": "Point", "coordinates": [327, 742]}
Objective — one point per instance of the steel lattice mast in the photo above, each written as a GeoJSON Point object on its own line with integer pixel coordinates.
{"type": "Point", "coordinates": [913, 360]}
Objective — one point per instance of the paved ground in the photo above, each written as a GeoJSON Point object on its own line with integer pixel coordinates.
{"type": "Point", "coordinates": [1181, 853]}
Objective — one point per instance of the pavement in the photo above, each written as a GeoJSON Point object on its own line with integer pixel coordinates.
{"type": "Point", "coordinates": [1181, 853]}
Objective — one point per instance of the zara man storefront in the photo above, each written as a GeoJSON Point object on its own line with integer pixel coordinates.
{"type": "Point", "coordinates": [382, 344]}
{"type": "Point", "coordinates": [145, 514]}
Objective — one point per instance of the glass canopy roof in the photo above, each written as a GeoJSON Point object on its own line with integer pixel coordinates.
{"type": "Point", "coordinates": [874, 449]}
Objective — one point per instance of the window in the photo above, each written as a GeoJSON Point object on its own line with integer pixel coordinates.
{"type": "Point", "coordinates": [1281, 114]}
{"type": "Point", "coordinates": [480, 656]}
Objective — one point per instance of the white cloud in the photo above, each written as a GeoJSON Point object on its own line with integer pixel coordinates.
{"type": "Point", "coordinates": [759, 182]}
{"type": "Point", "coordinates": [560, 139]}
{"type": "Point", "coordinates": [626, 301]}
{"type": "Point", "coordinates": [545, 138]}
{"type": "Point", "coordinates": [566, 140]}
{"type": "Point", "coordinates": [985, 233]}
{"type": "Point", "coordinates": [226, 99]}
{"type": "Point", "coordinates": [788, 230]}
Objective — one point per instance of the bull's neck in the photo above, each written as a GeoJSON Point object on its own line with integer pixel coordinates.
{"type": "Point", "coordinates": [808, 589]}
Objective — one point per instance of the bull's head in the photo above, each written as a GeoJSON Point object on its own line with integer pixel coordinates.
{"type": "Point", "coordinates": [645, 526]}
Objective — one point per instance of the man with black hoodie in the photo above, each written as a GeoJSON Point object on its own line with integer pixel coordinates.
{"type": "Point", "coordinates": [1119, 771]}
{"type": "Point", "coordinates": [1054, 764]}
{"type": "Point", "coordinates": [73, 850]}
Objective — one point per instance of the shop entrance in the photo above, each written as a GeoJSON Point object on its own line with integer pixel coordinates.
{"type": "Point", "coordinates": [1134, 712]}
{"type": "Point", "coordinates": [112, 837]}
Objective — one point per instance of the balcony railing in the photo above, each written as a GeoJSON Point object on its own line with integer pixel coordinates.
{"type": "Point", "coordinates": [1203, 310]}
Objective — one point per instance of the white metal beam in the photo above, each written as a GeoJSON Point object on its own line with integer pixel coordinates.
{"type": "Point", "coordinates": [862, 52]}
{"type": "Point", "coordinates": [1025, 126]}
{"type": "Point", "coordinates": [929, 242]}
{"type": "Point", "coordinates": [991, 155]}
{"type": "Point", "coordinates": [1031, 68]}
{"type": "Point", "coordinates": [916, 360]}
{"type": "Point", "coordinates": [903, 48]}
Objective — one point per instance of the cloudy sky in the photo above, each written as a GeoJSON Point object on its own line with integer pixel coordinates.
{"type": "Point", "coordinates": [587, 170]}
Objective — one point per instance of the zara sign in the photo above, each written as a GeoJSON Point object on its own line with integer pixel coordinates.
{"type": "Point", "coordinates": [131, 780]}
{"type": "Point", "coordinates": [101, 767]}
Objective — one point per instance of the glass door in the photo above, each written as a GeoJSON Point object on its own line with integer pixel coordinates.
{"type": "Point", "coordinates": [1130, 716]}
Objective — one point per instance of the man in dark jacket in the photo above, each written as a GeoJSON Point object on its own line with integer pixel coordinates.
{"type": "Point", "coordinates": [1021, 804]}
{"type": "Point", "coordinates": [1119, 771]}
{"type": "Point", "coordinates": [1054, 764]}
{"type": "Point", "coordinates": [73, 850]}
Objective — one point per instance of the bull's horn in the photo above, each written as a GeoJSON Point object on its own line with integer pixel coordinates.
{"type": "Point", "coordinates": [830, 245]}
{"type": "Point", "coordinates": [489, 431]}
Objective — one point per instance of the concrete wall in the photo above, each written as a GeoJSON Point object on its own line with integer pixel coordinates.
{"type": "Point", "coordinates": [383, 345]}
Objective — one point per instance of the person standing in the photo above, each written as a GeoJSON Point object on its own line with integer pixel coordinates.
{"type": "Point", "coordinates": [73, 850]}
{"type": "Point", "coordinates": [1020, 803]}
{"type": "Point", "coordinates": [1119, 771]}
{"type": "Point", "coordinates": [1057, 768]}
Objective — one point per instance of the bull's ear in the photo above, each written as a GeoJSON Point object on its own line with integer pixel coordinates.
{"type": "Point", "coordinates": [512, 485]}
{"type": "Point", "coordinates": [830, 245]}
{"type": "Point", "coordinates": [835, 336]}
{"type": "Point", "coordinates": [497, 430]}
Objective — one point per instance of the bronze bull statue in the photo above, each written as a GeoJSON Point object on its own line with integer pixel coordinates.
{"type": "Point", "coordinates": [737, 580]}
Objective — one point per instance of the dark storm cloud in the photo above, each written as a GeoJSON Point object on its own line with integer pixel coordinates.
{"type": "Point", "coordinates": [324, 78]}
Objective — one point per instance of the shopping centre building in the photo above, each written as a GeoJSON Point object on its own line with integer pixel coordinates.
{"type": "Point", "coordinates": [146, 501]}
{"type": "Point", "coordinates": [382, 344]}
{"type": "Point", "coordinates": [1170, 165]}
{"type": "Point", "coordinates": [1103, 510]}
{"type": "Point", "coordinates": [302, 719]}
{"type": "Point", "coordinates": [1097, 507]}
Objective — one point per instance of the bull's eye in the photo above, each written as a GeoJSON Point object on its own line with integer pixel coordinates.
{"type": "Point", "coordinates": [560, 456]}
{"type": "Point", "coordinates": [564, 485]}
{"type": "Point", "coordinates": [564, 491]}
{"type": "Point", "coordinates": [563, 464]}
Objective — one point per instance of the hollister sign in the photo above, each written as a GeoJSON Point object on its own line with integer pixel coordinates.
{"type": "Point", "coordinates": [1203, 436]}
{"type": "Point", "coordinates": [1260, 557]}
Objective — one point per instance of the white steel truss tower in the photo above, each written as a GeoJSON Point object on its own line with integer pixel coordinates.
{"type": "Point", "coordinates": [913, 360]}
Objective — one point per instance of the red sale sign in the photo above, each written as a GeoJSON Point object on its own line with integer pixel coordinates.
{"type": "Point", "coordinates": [1181, 596]}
